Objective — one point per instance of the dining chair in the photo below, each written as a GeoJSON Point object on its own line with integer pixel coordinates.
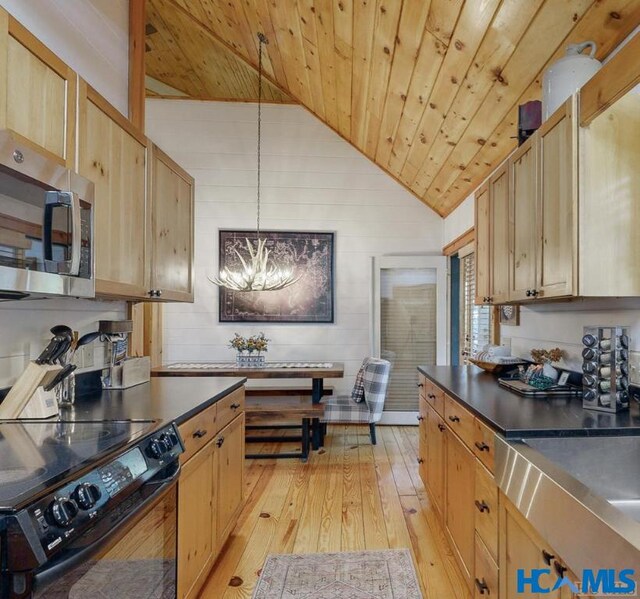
{"type": "Point", "coordinates": [366, 402]}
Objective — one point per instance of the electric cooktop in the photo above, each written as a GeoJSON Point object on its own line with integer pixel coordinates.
{"type": "Point", "coordinates": [36, 456]}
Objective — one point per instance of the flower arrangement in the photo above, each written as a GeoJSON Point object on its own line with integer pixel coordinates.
{"type": "Point", "coordinates": [257, 343]}
{"type": "Point", "coordinates": [546, 356]}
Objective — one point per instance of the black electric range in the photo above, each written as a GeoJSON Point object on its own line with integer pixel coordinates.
{"type": "Point", "coordinates": [36, 456]}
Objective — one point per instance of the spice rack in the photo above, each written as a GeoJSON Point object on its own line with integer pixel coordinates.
{"type": "Point", "coordinates": [605, 367]}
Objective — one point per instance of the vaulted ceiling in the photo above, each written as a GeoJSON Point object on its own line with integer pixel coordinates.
{"type": "Point", "coordinates": [427, 89]}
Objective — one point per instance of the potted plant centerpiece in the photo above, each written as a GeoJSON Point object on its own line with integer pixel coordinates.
{"type": "Point", "coordinates": [249, 350]}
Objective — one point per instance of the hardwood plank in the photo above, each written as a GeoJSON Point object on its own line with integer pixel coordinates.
{"type": "Point", "coordinates": [403, 481]}
{"type": "Point", "coordinates": [136, 62]}
{"type": "Point", "coordinates": [375, 530]}
{"type": "Point", "coordinates": [352, 519]}
{"type": "Point", "coordinates": [343, 60]}
{"type": "Point", "coordinates": [329, 538]}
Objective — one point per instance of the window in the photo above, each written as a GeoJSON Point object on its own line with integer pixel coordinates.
{"type": "Point", "coordinates": [475, 321]}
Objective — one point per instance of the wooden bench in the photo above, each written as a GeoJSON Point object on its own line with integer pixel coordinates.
{"type": "Point", "coordinates": [279, 410]}
{"type": "Point", "coordinates": [281, 391]}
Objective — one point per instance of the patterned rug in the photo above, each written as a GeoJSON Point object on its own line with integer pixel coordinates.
{"type": "Point", "coordinates": [347, 575]}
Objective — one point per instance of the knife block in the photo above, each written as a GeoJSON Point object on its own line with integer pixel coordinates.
{"type": "Point", "coordinates": [34, 377]}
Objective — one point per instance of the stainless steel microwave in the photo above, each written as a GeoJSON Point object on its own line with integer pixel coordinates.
{"type": "Point", "coordinates": [46, 225]}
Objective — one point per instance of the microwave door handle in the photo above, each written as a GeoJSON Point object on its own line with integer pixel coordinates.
{"type": "Point", "coordinates": [70, 201]}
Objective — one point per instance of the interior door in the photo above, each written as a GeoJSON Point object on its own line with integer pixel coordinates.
{"type": "Point", "coordinates": [410, 326]}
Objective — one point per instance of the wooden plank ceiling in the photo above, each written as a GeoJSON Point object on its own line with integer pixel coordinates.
{"type": "Point", "coordinates": [427, 89]}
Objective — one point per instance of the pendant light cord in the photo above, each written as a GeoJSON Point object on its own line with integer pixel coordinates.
{"type": "Point", "coordinates": [262, 40]}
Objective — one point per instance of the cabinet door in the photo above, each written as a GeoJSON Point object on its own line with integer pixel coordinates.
{"type": "Point", "coordinates": [460, 496]}
{"type": "Point", "coordinates": [196, 521]}
{"type": "Point", "coordinates": [38, 97]}
{"type": "Point", "coordinates": [500, 248]}
{"type": "Point", "coordinates": [520, 547]}
{"type": "Point", "coordinates": [435, 458]}
{"type": "Point", "coordinates": [171, 233]}
{"type": "Point", "coordinates": [230, 443]}
{"type": "Point", "coordinates": [422, 438]}
{"type": "Point", "coordinates": [112, 154]}
{"type": "Point", "coordinates": [557, 260]}
{"type": "Point", "coordinates": [523, 216]}
{"type": "Point", "coordinates": [482, 245]}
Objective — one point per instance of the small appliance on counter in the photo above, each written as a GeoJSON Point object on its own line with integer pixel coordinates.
{"type": "Point", "coordinates": [123, 371]}
{"type": "Point", "coordinates": [605, 367]}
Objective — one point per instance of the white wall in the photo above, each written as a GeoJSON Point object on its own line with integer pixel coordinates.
{"type": "Point", "coordinates": [92, 37]}
{"type": "Point", "coordinates": [460, 220]}
{"type": "Point", "coordinates": [312, 179]}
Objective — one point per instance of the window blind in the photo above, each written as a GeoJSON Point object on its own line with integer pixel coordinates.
{"type": "Point", "coordinates": [475, 321]}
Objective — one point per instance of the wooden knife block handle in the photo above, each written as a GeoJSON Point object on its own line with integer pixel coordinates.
{"type": "Point", "coordinates": [34, 376]}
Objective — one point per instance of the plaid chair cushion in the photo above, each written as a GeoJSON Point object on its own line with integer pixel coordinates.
{"type": "Point", "coordinates": [344, 409]}
{"type": "Point", "coordinates": [358, 388]}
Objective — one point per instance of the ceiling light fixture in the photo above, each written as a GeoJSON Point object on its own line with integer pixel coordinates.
{"type": "Point", "coordinates": [257, 271]}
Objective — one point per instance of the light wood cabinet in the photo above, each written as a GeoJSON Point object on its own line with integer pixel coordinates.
{"type": "Point", "coordinates": [521, 547]}
{"type": "Point", "coordinates": [196, 520]}
{"type": "Point", "coordinates": [210, 492]}
{"type": "Point", "coordinates": [423, 419]}
{"type": "Point", "coordinates": [436, 453]}
{"type": "Point", "coordinates": [483, 245]}
{"type": "Point", "coordinates": [460, 495]}
{"type": "Point", "coordinates": [113, 154]}
{"type": "Point", "coordinates": [558, 204]}
{"type": "Point", "coordinates": [500, 238]}
{"type": "Point", "coordinates": [523, 216]}
{"type": "Point", "coordinates": [230, 444]}
{"type": "Point", "coordinates": [171, 223]}
{"type": "Point", "coordinates": [38, 95]}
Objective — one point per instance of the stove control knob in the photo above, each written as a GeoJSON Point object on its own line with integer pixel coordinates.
{"type": "Point", "coordinates": [86, 495]}
{"type": "Point", "coordinates": [174, 439]}
{"type": "Point", "coordinates": [62, 511]}
{"type": "Point", "coordinates": [168, 441]}
{"type": "Point", "coordinates": [155, 449]}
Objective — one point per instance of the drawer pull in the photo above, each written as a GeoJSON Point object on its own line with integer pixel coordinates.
{"type": "Point", "coordinates": [482, 446]}
{"type": "Point", "coordinates": [234, 406]}
{"type": "Point", "coordinates": [420, 461]}
{"type": "Point", "coordinates": [547, 557]}
{"type": "Point", "coordinates": [220, 441]}
{"type": "Point", "coordinates": [431, 396]}
{"type": "Point", "coordinates": [420, 418]}
{"type": "Point", "coordinates": [482, 506]}
{"type": "Point", "coordinates": [199, 433]}
{"type": "Point", "coordinates": [482, 587]}
{"type": "Point", "coordinates": [454, 418]}
{"type": "Point", "coordinates": [420, 384]}
{"type": "Point", "coordinates": [442, 428]}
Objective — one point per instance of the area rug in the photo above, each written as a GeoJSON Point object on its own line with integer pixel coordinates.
{"type": "Point", "coordinates": [347, 575]}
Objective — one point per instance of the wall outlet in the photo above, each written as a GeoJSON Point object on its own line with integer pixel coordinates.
{"type": "Point", "coordinates": [88, 356]}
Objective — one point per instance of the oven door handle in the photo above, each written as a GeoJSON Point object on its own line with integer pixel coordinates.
{"type": "Point", "coordinates": [57, 568]}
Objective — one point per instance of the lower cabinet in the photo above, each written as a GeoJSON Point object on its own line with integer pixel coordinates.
{"type": "Point", "coordinates": [434, 480]}
{"type": "Point", "coordinates": [460, 496]}
{"type": "Point", "coordinates": [210, 497]}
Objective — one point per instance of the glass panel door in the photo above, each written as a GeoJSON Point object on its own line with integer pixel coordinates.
{"type": "Point", "coordinates": [410, 328]}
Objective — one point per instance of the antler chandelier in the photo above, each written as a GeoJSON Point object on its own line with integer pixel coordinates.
{"type": "Point", "coordinates": [258, 271]}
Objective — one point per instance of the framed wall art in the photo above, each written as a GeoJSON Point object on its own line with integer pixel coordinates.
{"type": "Point", "coordinates": [309, 300]}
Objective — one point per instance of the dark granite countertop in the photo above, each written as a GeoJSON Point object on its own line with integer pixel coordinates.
{"type": "Point", "coordinates": [162, 399]}
{"type": "Point", "coordinates": [517, 417]}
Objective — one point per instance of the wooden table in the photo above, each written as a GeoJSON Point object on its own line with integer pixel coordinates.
{"type": "Point", "coordinates": [316, 374]}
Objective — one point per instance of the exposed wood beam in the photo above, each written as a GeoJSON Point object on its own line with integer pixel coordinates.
{"type": "Point", "coordinates": [136, 62]}
{"type": "Point", "coordinates": [611, 82]}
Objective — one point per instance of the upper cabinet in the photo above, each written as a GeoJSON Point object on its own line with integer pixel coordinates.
{"type": "Point", "coordinates": [482, 245]}
{"type": "Point", "coordinates": [113, 154]}
{"type": "Point", "coordinates": [38, 92]}
{"type": "Point", "coordinates": [171, 192]}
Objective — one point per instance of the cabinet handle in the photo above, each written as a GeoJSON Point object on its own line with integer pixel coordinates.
{"type": "Point", "coordinates": [431, 396]}
{"type": "Point", "coordinates": [220, 441]}
{"type": "Point", "coordinates": [158, 292]}
{"type": "Point", "coordinates": [442, 428]}
{"type": "Point", "coordinates": [559, 568]}
{"type": "Point", "coordinates": [151, 292]}
{"type": "Point", "coordinates": [234, 406]}
{"type": "Point", "coordinates": [482, 506]}
{"type": "Point", "coordinates": [454, 418]}
{"type": "Point", "coordinates": [199, 433]}
{"type": "Point", "coordinates": [534, 292]}
{"type": "Point", "coordinates": [482, 446]}
{"type": "Point", "coordinates": [528, 293]}
{"type": "Point", "coordinates": [420, 461]}
{"type": "Point", "coordinates": [420, 385]}
{"type": "Point", "coordinates": [420, 418]}
{"type": "Point", "coordinates": [547, 557]}
{"type": "Point", "coordinates": [482, 587]}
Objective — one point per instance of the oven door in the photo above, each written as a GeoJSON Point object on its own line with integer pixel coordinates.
{"type": "Point", "coordinates": [136, 559]}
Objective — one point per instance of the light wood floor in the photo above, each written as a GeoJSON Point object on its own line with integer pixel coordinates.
{"type": "Point", "coordinates": [349, 496]}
